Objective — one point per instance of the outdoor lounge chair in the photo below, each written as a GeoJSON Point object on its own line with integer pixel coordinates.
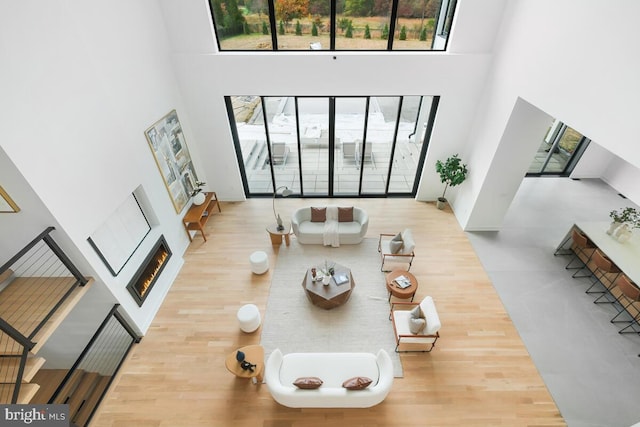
{"type": "Point", "coordinates": [279, 153]}
{"type": "Point", "coordinates": [350, 151]}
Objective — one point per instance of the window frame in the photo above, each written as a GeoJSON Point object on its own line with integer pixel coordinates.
{"type": "Point", "coordinates": [442, 28]}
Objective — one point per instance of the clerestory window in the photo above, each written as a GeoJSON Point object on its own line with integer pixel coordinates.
{"type": "Point", "coordinates": [334, 25]}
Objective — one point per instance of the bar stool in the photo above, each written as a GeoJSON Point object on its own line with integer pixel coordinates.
{"type": "Point", "coordinates": [604, 266]}
{"type": "Point", "coordinates": [630, 295]}
{"type": "Point", "coordinates": [582, 246]}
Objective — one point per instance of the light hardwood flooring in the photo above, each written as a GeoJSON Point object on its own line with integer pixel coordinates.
{"type": "Point", "coordinates": [479, 373]}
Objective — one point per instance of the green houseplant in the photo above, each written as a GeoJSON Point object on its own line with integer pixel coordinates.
{"type": "Point", "coordinates": [627, 215]}
{"type": "Point", "coordinates": [452, 172]}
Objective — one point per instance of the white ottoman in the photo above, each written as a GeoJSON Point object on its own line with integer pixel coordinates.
{"type": "Point", "coordinates": [259, 262]}
{"type": "Point", "coordinates": [249, 318]}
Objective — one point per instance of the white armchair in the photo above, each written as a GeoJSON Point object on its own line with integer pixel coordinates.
{"type": "Point", "coordinates": [396, 249]}
{"type": "Point", "coordinates": [401, 316]}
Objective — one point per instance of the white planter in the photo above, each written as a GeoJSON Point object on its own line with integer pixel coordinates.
{"type": "Point", "coordinates": [326, 280]}
{"type": "Point", "coordinates": [612, 228]}
{"type": "Point", "coordinates": [622, 233]}
{"type": "Point", "coordinates": [199, 198]}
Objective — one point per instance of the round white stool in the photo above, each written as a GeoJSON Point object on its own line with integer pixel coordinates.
{"type": "Point", "coordinates": [249, 318]}
{"type": "Point", "coordinates": [259, 262]}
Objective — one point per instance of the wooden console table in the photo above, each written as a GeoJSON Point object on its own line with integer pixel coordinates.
{"type": "Point", "coordinates": [197, 216]}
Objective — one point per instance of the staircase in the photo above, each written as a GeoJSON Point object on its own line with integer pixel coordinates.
{"type": "Point", "coordinates": [82, 391]}
{"type": "Point", "coordinates": [28, 292]}
{"type": "Point", "coordinates": [39, 287]}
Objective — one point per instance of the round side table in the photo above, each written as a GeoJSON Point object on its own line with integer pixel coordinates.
{"type": "Point", "coordinates": [398, 292]}
{"type": "Point", "coordinates": [253, 354]}
{"type": "Point", "coordinates": [277, 235]}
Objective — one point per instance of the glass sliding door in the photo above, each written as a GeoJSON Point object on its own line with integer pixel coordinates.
{"type": "Point", "coordinates": [376, 150]}
{"type": "Point", "coordinates": [331, 146]}
{"type": "Point", "coordinates": [349, 125]}
{"type": "Point", "coordinates": [416, 116]}
{"type": "Point", "coordinates": [282, 130]}
{"type": "Point", "coordinates": [248, 123]}
{"type": "Point", "coordinates": [559, 151]}
{"type": "Point", "coordinates": [314, 145]}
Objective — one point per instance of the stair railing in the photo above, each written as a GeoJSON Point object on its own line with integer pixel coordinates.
{"type": "Point", "coordinates": [39, 277]}
{"type": "Point", "coordinates": [103, 355]}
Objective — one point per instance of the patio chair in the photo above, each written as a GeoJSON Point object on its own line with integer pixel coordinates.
{"type": "Point", "coordinates": [350, 151]}
{"type": "Point", "coordinates": [279, 153]}
{"type": "Point", "coordinates": [368, 154]}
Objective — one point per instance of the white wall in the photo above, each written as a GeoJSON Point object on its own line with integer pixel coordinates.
{"type": "Point", "coordinates": [593, 163]}
{"type": "Point", "coordinates": [624, 177]}
{"type": "Point", "coordinates": [81, 82]}
{"type": "Point", "coordinates": [206, 77]}
{"type": "Point", "coordinates": [553, 54]}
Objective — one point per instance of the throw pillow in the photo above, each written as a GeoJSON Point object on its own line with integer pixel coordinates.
{"type": "Point", "coordinates": [417, 322]}
{"type": "Point", "coordinates": [396, 243]}
{"type": "Point", "coordinates": [416, 325]}
{"type": "Point", "coordinates": [345, 214]}
{"type": "Point", "coordinates": [318, 214]}
{"type": "Point", "coordinates": [357, 383]}
{"type": "Point", "coordinates": [416, 313]}
{"type": "Point", "coordinates": [409, 244]}
{"type": "Point", "coordinates": [307, 383]}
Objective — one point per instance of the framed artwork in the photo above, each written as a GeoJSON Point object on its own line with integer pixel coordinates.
{"type": "Point", "coordinates": [170, 151]}
{"type": "Point", "coordinates": [6, 203]}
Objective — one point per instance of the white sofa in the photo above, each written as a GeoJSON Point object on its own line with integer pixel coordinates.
{"type": "Point", "coordinates": [312, 233]}
{"type": "Point", "coordinates": [333, 369]}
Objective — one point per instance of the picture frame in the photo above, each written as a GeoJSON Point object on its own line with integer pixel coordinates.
{"type": "Point", "coordinates": [170, 151]}
{"type": "Point", "coordinates": [7, 205]}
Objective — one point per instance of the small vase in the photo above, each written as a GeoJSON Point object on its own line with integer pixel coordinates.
{"type": "Point", "coordinates": [199, 198]}
{"type": "Point", "coordinates": [326, 280]}
{"type": "Point", "coordinates": [612, 227]}
{"type": "Point", "coordinates": [622, 233]}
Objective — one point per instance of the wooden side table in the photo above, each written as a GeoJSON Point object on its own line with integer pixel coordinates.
{"type": "Point", "coordinates": [253, 354]}
{"type": "Point", "coordinates": [277, 235]}
{"type": "Point", "coordinates": [197, 216]}
{"type": "Point", "coordinates": [397, 292]}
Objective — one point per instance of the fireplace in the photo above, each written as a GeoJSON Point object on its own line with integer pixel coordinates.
{"type": "Point", "coordinates": [142, 282]}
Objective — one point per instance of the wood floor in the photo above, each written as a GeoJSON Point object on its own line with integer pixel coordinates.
{"type": "Point", "coordinates": [479, 373]}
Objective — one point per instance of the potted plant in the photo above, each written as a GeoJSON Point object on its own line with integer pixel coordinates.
{"type": "Point", "coordinates": [327, 272]}
{"type": "Point", "coordinates": [197, 194]}
{"type": "Point", "coordinates": [622, 221]}
{"type": "Point", "coordinates": [452, 172]}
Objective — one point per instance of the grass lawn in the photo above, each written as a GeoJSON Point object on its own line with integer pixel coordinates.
{"type": "Point", "coordinates": [291, 41]}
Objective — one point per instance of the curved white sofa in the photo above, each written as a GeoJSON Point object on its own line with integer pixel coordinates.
{"type": "Point", "coordinates": [333, 369]}
{"type": "Point", "coordinates": [312, 233]}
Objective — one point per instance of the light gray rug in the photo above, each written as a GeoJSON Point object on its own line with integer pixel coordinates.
{"type": "Point", "coordinates": [292, 324]}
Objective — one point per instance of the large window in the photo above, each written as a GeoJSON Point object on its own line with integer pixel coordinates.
{"type": "Point", "coordinates": [331, 146]}
{"type": "Point", "coordinates": [559, 151]}
{"type": "Point", "coordinates": [332, 24]}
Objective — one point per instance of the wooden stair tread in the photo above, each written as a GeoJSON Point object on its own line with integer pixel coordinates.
{"type": "Point", "coordinates": [27, 391]}
{"type": "Point", "coordinates": [24, 289]}
{"type": "Point", "coordinates": [9, 368]}
{"type": "Point", "coordinates": [82, 391]}
{"type": "Point", "coordinates": [82, 417]}
{"type": "Point", "coordinates": [68, 388]}
{"type": "Point", "coordinates": [49, 380]}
